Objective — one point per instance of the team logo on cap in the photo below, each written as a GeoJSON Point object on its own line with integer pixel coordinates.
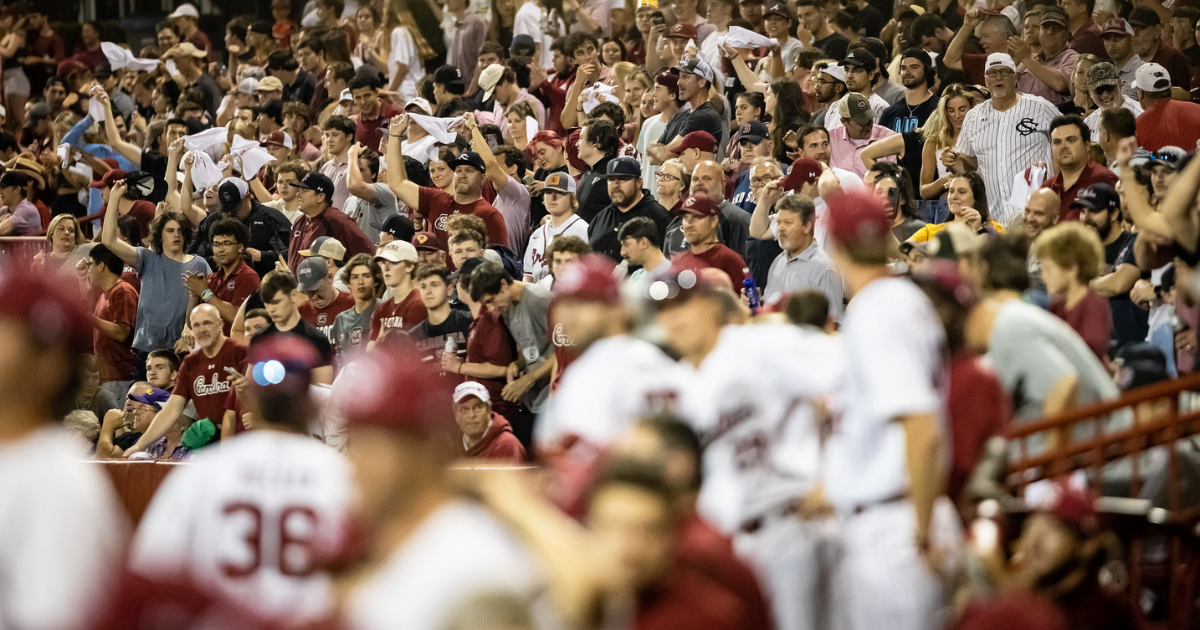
{"type": "Point", "coordinates": [746, 128]}
{"type": "Point", "coordinates": [691, 201]}
{"type": "Point", "coordinates": [859, 105]}
{"type": "Point", "coordinates": [678, 28]}
{"type": "Point", "coordinates": [421, 238]}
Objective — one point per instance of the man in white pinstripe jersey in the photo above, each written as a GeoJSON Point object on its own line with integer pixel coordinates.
{"type": "Point", "coordinates": [1005, 134]}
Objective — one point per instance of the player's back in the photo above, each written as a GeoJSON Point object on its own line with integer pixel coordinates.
{"type": "Point", "coordinates": [249, 519]}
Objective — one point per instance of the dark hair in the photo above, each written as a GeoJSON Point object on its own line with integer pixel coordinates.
{"type": "Point", "coordinates": [336, 46]}
{"type": "Point", "coordinates": [618, 42]}
{"type": "Point", "coordinates": [816, 4]}
{"type": "Point", "coordinates": [341, 123]}
{"type": "Point", "coordinates": [130, 229]}
{"type": "Point", "coordinates": [516, 71]}
{"type": "Point", "coordinates": [567, 244]}
{"type": "Point", "coordinates": [428, 270]}
{"type": "Point", "coordinates": [238, 27]}
{"type": "Point", "coordinates": [925, 25]}
{"type": "Point", "coordinates": [612, 111]}
{"type": "Point", "coordinates": [281, 60]}
{"type": "Point", "coordinates": [338, 6]}
{"type": "Point", "coordinates": [1006, 260]}
{"type": "Point", "coordinates": [1119, 122]}
{"type": "Point", "coordinates": [167, 25]}
{"type": "Point", "coordinates": [574, 42]}
{"type": "Point", "coordinates": [978, 190]}
{"type": "Point", "coordinates": [493, 48]}
{"type": "Point", "coordinates": [275, 282]}
{"type": "Point", "coordinates": [899, 175]}
{"type": "Point", "coordinates": [847, 20]}
{"type": "Point", "coordinates": [363, 80]}
{"type": "Point", "coordinates": [340, 70]}
{"type": "Point", "coordinates": [1072, 119]}
{"type": "Point", "coordinates": [456, 106]}
{"type": "Point", "coordinates": [8, 141]}
{"type": "Point", "coordinates": [644, 476]}
{"type": "Point", "coordinates": [257, 312]}
{"type": "Point", "coordinates": [416, 171]}
{"type": "Point", "coordinates": [160, 222]}
{"type": "Point", "coordinates": [231, 227]}
{"type": "Point", "coordinates": [170, 355]}
{"type": "Point", "coordinates": [604, 136]}
{"type": "Point", "coordinates": [488, 279]}
{"type": "Point", "coordinates": [102, 255]}
{"type": "Point", "coordinates": [756, 100]}
{"type": "Point", "coordinates": [293, 108]}
{"type": "Point", "coordinates": [372, 158]}
{"type": "Point", "coordinates": [676, 435]}
{"type": "Point", "coordinates": [808, 130]}
{"type": "Point", "coordinates": [468, 234]}
{"type": "Point", "coordinates": [512, 155]}
{"type": "Point", "coordinates": [639, 228]}
{"type": "Point", "coordinates": [507, 75]}
{"type": "Point", "coordinates": [789, 110]}
{"type": "Point", "coordinates": [809, 307]}
{"type": "Point", "coordinates": [364, 260]}
{"type": "Point", "coordinates": [926, 63]}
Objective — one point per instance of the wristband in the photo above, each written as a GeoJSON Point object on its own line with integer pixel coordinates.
{"type": "Point", "coordinates": [206, 295]}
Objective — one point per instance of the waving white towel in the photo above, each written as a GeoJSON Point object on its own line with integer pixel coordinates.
{"type": "Point", "coordinates": [251, 154]}
{"type": "Point", "coordinates": [205, 139]}
{"type": "Point", "coordinates": [598, 93]}
{"type": "Point", "coordinates": [204, 172]}
{"type": "Point", "coordinates": [437, 127]}
{"type": "Point", "coordinates": [119, 57]}
{"type": "Point", "coordinates": [739, 37]}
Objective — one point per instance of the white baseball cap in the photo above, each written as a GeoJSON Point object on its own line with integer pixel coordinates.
{"type": "Point", "coordinates": [345, 96]}
{"type": "Point", "coordinates": [489, 78]}
{"type": "Point", "coordinates": [836, 71]}
{"type": "Point", "coordinates": [249, 85]}
{"type": "Point", "coordinates": [187, 9]}
{"type": "Point", "coordinates": [1000, 60]}
{"type": "Point", "coordinates": [397, 252]}
{"type": "Point", "coordinates": [1152, 77]}
{"type": "Point", "coordinates": [471, 388]}
{"type": "Point", "coordinates": [420, 104]}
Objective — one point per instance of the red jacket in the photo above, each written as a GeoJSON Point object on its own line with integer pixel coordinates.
{"type": "Point", "coordinates": [499, 443]}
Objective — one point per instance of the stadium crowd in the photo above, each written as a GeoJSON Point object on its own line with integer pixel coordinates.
{"type": "Point", "coordinates": [741, 295]}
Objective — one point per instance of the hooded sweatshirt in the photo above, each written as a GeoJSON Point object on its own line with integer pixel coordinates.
{"type": "Point", "coordinates": [499, 443]}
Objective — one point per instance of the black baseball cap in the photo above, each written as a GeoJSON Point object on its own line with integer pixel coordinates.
{"type": "Point", "coordinates": [861, 58]}
{"type": "Point", "coordinates": [1097, 197]}
{"type": "Point", "coordinates": [272, 108]}
{"type": "Point", "coordinates": [231, 192]}
{"type": "Point", "coordinates": [468, 158]}
{"type": "Point", "coordinates": [399, 226]}
{"type": "Point", "coordinates": [141, 181]}
{"type": "Point", "coordinates": [522, 45]}
{"type": "Point", "coordinates": [12, 178]}
{"type": "Point", "coordinates": [753, 132]}
{"type": "Point", "coordinates": [319, 183]}
{"type": "Point", "coordinates": [1143, 16]}
{"type": "Point", "coordinates": [447, 75]}
{"type": "Point", "coordinates": [623, 168]}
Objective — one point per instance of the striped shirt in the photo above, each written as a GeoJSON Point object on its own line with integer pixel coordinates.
{"type": "Point", "coordinates": [1006, 142]}
{"type": "Point", "coordinates": [809, 269]}
{"type": "Point", "coordinates": [1127, 75]}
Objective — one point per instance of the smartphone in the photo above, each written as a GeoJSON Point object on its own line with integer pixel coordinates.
{"type": "Point", "coordinates": [893, 198]}
{"type": "Point", "coordinates": [657, 18]}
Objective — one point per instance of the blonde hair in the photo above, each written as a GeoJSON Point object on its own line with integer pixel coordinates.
{"type": "Point", "coordinates": [1071, 243]}
{"type": "Point", "coordinates": [643, 80]}
{"type": "Point", "coordinates": [398, 16]}
{"type": "Point", "coordinates": [938, 128]}
{"type": "Point", "coordinates": [769, 163]}
{"type": "Point", "coordinates": [79, 240]}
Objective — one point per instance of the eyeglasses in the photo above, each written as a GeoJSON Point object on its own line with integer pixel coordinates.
{"type": "Point", "coordinates": [761, 181]}
{"type": "Point", "coordinates": [217, 244]}
{"type": "Point", "coordinates": [669, 177]}
{"type": "Point", "coordinates": [998, 73]}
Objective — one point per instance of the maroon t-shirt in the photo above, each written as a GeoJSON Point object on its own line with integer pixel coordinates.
{"type": "Point", "coordinates": [706, 550]}
{"type": "Point", "coordinates": [977, 409]}
{"type": "Point", "coordinates": [241, 284]}
{"type": "Point", "coordinates": [204, 381]}
{"type": "Point", "coordinates": [115, 358]}
{"type": "Point", "coordinates": [1169, 123]}
{"type": "Point", "coordinates": [331, 222]}
{"type": "Point", "coordinates": [689, 600]}
{"type": "Point", "coordinates": [1093, 173]}
{"type": "Point", "coordinates": [368, 132]}
{"type": "Point", "coordinates": [973, 67]}
{"type": "Point", "coordinates": [437, 206]}
{"type": "Point", "coordinates": [390, 316]}
{"type": "Point", "coordinates": [490, 342]}
{"type": "Point", "coordinates": [1091, 318]}
{"type": "Point", "coordinates": [322, 318]}
{"type": "Point", "coordinates": [718, 257]}
{"type": "Point", "coordinates": [142, 211]}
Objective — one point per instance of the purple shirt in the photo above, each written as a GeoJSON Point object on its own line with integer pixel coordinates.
{"type": "Point", "coordinates": [26, 219]}
{"type": "Point", "coordinates": [1063, 63]}
{"type": "Point", "coordinates": [846, 153]}
{"type": "Point", "coordinates": [513, 203]}
{"type": "Point", "coordinates": [469, 34]}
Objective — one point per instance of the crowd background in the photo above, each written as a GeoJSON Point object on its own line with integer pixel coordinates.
{"type": "Point", "coordinates": [576, 223]}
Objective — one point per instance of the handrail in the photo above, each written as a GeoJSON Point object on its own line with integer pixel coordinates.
{"type": "Point", "coordinates": [1139, 395]}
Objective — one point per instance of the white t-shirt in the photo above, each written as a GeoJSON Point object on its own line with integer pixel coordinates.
{"type": "Point", "coordinates": [458, 552]}
{"type": "Point", "coordinates": [247, 521]}
{"type": "Point", "coordinates": [895, 366]}
{"type": "Point", "coordinates": [63, 533]}
{"type": "Point", "coordinates": [422, 150]}
{"type": "Point", "coordinates": [535, 263]}
{"type": "Point", "coordinates": [528, 21]}
{"type": "Point", "coordinates": [652, 129]}
{"type": "Point", "coordinates": [849, 181]}
{"type": "Point", "coordinates": [278, 204]}
{"type": "Point", "coordinates": [404, 51]}
{"type": "Point", "coordinates": [1093, 119]}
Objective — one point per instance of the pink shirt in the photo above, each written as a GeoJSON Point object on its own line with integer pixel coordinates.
{"type": "Point", "coordinates": [846, 152]}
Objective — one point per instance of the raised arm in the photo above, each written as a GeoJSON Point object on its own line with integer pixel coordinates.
{"type": "Point", "coordinates": [162, 422]}
{"type": "Point", "coordinates": [108, 232]}
{"type": "Point", "coordinates": [892, 145]}
{"type": "Point", "coordinates": [128, 150]}
{"type": "Point", "coordinates": [1137, 198]}
{"type": "Point", "coordinates": [750, 80]}
{"type": "Point", "coordinates": [354, 179]}
{"type": "Point", "coordinates": [495, 171]}
{"type": "Point", "coordinates": [1178, 205]}
{"type": "Point", "coordinates": [174, 157]}
{"type": "Point", "coordinates": [760, 219]}
{"type": "Point", "coordinates": [571, 111]}
{"type": "Point", "coordinates": [953, 57]}
{"type": "Point", "coordinates": [407, 192]}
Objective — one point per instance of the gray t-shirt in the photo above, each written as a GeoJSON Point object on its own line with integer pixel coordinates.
{"type": "Point", "coordinates": [366, 214]}
{"type": "Point", "coordinates": [351, 330]}
{"type": "Point", "coordinates": [529, 323]}
{"type": "Point", "coordinates": [162, 304]}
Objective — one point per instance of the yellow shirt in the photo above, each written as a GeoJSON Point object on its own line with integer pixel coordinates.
{"type": "Point", "coordinates": [932, 230]}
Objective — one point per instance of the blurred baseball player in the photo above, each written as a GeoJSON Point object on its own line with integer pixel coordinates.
{"type": "Point", "coordinates": [62, 533]}
{"type": "Point", "coordinates": [252, 520]}
{"type": "Point", "coordinates": [753, 402]}
{"type": "Point", "coordinates": [886, 460]}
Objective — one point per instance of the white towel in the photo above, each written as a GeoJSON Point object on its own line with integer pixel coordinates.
{"type": "Point", "coordinates": [252, 156]}
{"type": "Point", "coordinates": [437, 127]}
{"type": "Point", "coordinates": [739, 37]}
{"type": "Point", "coordinates": [531, 127]}
{"type": "Point", "coordinates": [205, 139]}
{"type": "Point", "coordinates": [96, 110]}
{"type": "Point", "coordinates": [119, 57]}
{"type": "Point", "coordinates": [204, 172]}
{"type": "Point", "coordinates": [598, 93]}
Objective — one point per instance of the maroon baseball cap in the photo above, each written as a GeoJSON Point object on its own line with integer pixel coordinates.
{"type": "Point", "coordinates": [804, 170]}
{"type": "Point", "coordinates": [48, 312]}
{"type": "Point", "coordinates": [278, 138]}
{"type": "Point", "coordinates": [426, 242]}
{"type": "Point", "coordinates": [682, 30]}
{"type": "Point", "coordinates": [699, 140]}
{"type": "Point", "coordinates": [700, 205]}
{"type": "Point", "coordinates": [1074, 508]}
{"type": "Point", "coordinates": [394, 389]}
{"type": "Point", "coordinates": [590, 279]}
{"type": "Point", "coordinates": [109, 178]}
{"type": "Point", "coordinates": [1117, 26]}
{"type": "Point", "coordinates": [857, 217]}
{"type": "Point", "coordinates": [668, 78]}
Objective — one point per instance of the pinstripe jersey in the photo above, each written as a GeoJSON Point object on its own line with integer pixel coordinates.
{"type": "Point", "coordinates": [1007, 142]}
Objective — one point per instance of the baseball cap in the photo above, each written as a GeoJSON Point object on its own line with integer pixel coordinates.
{"type": "Point", "coordinates": [282, 364]}
{"type": "Point", "coordinates": [698, 140]}
{"type": "Point", "coordinates": [152, 396]}
{"type": "Point", "coordinates": [249, 85]}
{"type": "Point", "coordinates": [623, 168]}
{"type": "Point", "coordinates": [468, 158]}
{"type": "Point", "coordinates": [47, 311]}
{"type": "Point", "coordinates": [11, 178]}
{"type": "Point", "coordinates": [856, 217]}
{"type": "Point", "coordinates": [590, 279]}
{"type": "Point", "coordinates": [682, 30]}
{"type": "Point", "coordinates": [310, 273]}
{"type": "Point", "coordinates": [489, 78]}
{"type": "Point", "coordinates": [471, 388]}
{"type": "Point", "coordinates": [1097, 197]}
{"type": "Point", "coordinates": [108, 179]}
{"type": "Point", "coordinates": [345, 96]}
{"type": "Point", "coordinates": [701, 205]}
{"type": "Point", "coordinates": [272, 108]}
{"type": "Point", "coordinates": [397, 252]}
{"type": "Point", "coordinates": [447, 75]}
{"type": "Point", "coordinates": [1140, 373]}
{"type": "Point", "coordinates": [777, 8]}
{"type": "Point", "coordinates": [560, 182]}
{"type": "Point", "coordinates": [856, 107]}
{"type": "Point", "coordinates": [102, 71]}
{"type": "Point", "coordinates": [668, 78]}
{"type": "Point", "coordinates": [269, 84]}
{"type": "Point", "coordinates": [395, 390]}
{"type": "Point", "coordinates": [1000, 60]}
{"type": "Point", "coordinates": [426, 242]}
{"type": "Point", "coordinates": [421, 104]}
{"type": "Point", "coordinates": [261, 27]}
{"type": "Point", "coordinates": [39, 111]}
{"type": "Point", "coordinates": [1116, 26]}
{"type": "Point", "coordinates": [1141, 17]}
{"type": "Point", "coordinates": [753, 132]}
{"type": "Point", "coordinates": [278, 138]}
{"type": "Point", "coordinates": [522, 46]}
{"type": "Point", "coordinates": [804, 170]}
{"type": "Point", "coordinates": [699, 67]}
{"type": "Point", "coordinates": [187, 9]}
{"type": "Point", "coordinates": [1152, 77]}
{"type": "Point", "coordinates": [1101, 74]}
{"type": "Point", "coordinates": [860, 58]}
{"type": "Point", "coordinates": [1139, 351]}
{"type": "Point", "coordinates": [836, 71]}
{"type": "Point", "coordinates": [185, 49]}
{"type": "Point", "coordinates": [231, 192]}
{"type": "Point", "coordinates": [398, 226]}
{"type": "Point", "coordinates": [319, 183]}
{"type": "Point", "coordinates": [1055, 15]}
{"type": "Point", "coordinates": [327, 246]}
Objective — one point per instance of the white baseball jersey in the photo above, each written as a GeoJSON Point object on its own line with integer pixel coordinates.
{"type": "Point", "coordinates": [246, 520]}
{"type": "Point", "coordinates": [1006, 142]}
{"type": "Point", "coordinates": [895, 365]}
{"type": "Point", "coordinates": [535, 253]}
{"type": "Point", "coordinates": [1093, 119]}
{"type": "Point", "coordinates": [62, 533]}
{"type": "Point", "coordinates": [616, 381]}
{"type": "Point", "coordinates": [459, 552]}
{"type": "Point", "coordinates": [751, 401]}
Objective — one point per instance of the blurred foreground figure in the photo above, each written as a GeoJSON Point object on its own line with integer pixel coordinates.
{"type": "Point", "coordinates": [61, 531]}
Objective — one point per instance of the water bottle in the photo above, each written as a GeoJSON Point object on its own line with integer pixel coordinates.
{"type": "Point", "coordinates": [750, 290]}
{"type": "Point", "coordinates": [451, 344]}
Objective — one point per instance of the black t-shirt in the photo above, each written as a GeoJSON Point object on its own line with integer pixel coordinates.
{"type": "Point", "coordinates": [305, 331]}
{"type": "Point", "coordinates": [872, 20]}
{"type": "Point", "coordinates": [602, 232]}
{"type": "Point", "coordinates": [592, 191]}
{"type": "Point", "coordinates": [1129, 322]}
{"type": "Point", "coordinates": [834, 46]}
{"type": "Point", "coordinates": [913, 145]}
{"type": "Point", "coordinates": [902, 117]}
{"type": "Point", "coordinates": [703, 118]}
{"type": "Point", "coordinates": [431, 340]}
{"type": "Point", "coordinates": [673, 128]}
